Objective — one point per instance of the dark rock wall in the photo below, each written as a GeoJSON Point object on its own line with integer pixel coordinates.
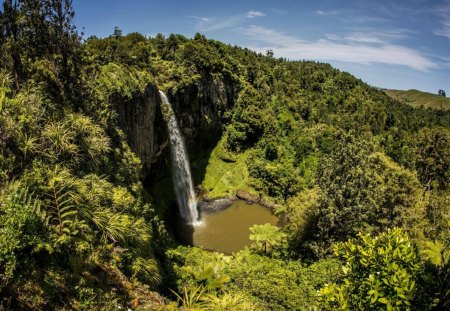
{"type": "Point", "coordinates": [136, 117]}
{"type": "Point", "coordinates": [200, 108]}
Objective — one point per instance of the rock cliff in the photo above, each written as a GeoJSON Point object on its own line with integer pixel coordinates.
{"type": "Point", "coordinates": [136, 117]}
{"type": "Point", "coordinates": [199, 108]}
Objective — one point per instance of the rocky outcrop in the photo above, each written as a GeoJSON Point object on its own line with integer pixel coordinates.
{"type": "Point", "coordinates": [199, 108]}
{"type": "Point", "coordinates": [253, 198]}
{"type": "Point", "coordinates": [212, 206]}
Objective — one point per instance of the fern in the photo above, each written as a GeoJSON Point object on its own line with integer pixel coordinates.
{"type": "Point", "coordinates": [228, 301]}
{"type": "Point", "coordinates": [117, 227]}
{"type": "Point", "coordinates": [436, 253]}
{"type": "Point", "coordinates": [63, 201]}
{"type": "Point", "coordinates": [146, 270]}
{"type": "Point", "coordinates": [27, 143]}
{"type": "Point", "coordinates": [111, 225]}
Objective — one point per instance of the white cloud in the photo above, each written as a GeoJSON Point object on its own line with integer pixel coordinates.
{"type": "Point", "coordinates": [361, 37]}
{"type": "Point", "coordinates": [379, 37]}
{"type": "Point", "coordinates": [327, 13]}
{"type": "Point", "coordinates": [201, 18]}
{"type": "Point", "coordinates": [444, 30]}
{"type": "Point", "coordinates": [279, 11]}
{"type": "Point", "coordinates": [361, 51]}
{"type": "Point", "coordinates": [349, 16]}
{"type": "Point", "coordinates": [253, 14]}
{"type": "Point", "coordinates": [205, 24]}
{"type": "Point", "coordinates": [333, 37]}
{"type": "Point", "coordinates": [444, 14]}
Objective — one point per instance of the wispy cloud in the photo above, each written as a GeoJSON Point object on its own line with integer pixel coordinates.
{"type": "Point", "coordinates": [355, 51]}
{"type": "Point", "coordinates": [201, 18]}
{"type": "Point", "coordinates": [279, 11]}
{"type": "Point", "coordinates": [333, 37]}
{"type": "Point", "coordinates": [361, 37]}
{"type": "Point", "coordinates": [206, 24]}
{"type": "Point", "coordinates": [349, 16]}
{"type": "Point", "coordinates": [444, 30]}
{"type": "Point", "coordinates": [380, 37]}
{"type": "Point", "coordinates": [253, 14]}
{"type": "Point", "coordinates": [327, 13]}
{"type": "Point", "coordinates": [444, 14]}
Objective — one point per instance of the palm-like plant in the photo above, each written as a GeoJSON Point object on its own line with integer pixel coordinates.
{"type": "Point", "coordinates": [266, 236]}
{"type": "Point", "coordinates": [228, 302]}
{"type": "Point", "coordinates": [191, 299]}
{"type": "Point", "coordinates": [59, 142]}
{"type": "Point", "coordinates": [210, 277]}
{"type": "Point", "coordinates": [91, 137]}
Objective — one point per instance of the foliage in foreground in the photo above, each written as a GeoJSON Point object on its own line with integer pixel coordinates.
{"type": "Point", "coordinates": [380, 272]}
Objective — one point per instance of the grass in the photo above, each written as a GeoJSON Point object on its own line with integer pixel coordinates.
{"type": "Point", "coordinates": [226, 173]}
{"type": "Point", "coordinates": [220, 172]}
{"type": "Point", "coordinates": [417, 98]}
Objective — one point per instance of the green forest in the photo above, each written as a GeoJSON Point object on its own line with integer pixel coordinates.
{"type": "Point", "coordinates": [361, 179]}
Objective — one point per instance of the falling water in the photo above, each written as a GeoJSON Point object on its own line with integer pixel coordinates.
{"type": "Point", "coordinates": [181, 172]}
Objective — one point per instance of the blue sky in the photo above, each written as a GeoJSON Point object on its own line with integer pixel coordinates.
{"type": "Point", "coordinates": [392, 44]}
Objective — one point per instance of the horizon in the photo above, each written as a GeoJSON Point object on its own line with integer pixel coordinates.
{"type": "Point", "coordinates": [381, 43]}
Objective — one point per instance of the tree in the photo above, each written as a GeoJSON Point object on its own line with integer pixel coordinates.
{"type": "Point", "coordinates": [267, 237]}
{"type": "Point", "coordinates": [399, 195]}
{"type": "Point", "coordinates": [349, 199]}
{"type": "Point", "coordinates": [10, 39]}
{"type": "Point", "coordinates": [433, 157]}
{"type": "Point", "coordinates": [441, 93]}
{"type": "Point", "coordinates": [378, 273]}
{"type": "Point", "coordinates": [437, 255]}
{"type": "Point", "coordinates": [117, 32]}
{"type": "Point", "coordinates": [33, 31]}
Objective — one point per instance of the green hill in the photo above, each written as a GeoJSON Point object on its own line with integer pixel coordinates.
{"type": "Point", "coordinates": [418, 98]}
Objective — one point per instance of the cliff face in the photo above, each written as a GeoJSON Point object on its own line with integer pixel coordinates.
{"type": "Point", "coordinates": [199, 108]}
{"type": "Point", "coordinates": [136, 117]}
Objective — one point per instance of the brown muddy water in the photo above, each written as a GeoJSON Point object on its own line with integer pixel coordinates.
{"type": "Point", "coordinates": [227, 230]}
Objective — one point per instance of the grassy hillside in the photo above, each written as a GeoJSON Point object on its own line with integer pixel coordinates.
{"type": "Point", "coordinates": [418, 98]}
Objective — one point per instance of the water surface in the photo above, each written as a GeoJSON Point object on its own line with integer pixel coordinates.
{"type": "Point", "coordinates": [227, 230]}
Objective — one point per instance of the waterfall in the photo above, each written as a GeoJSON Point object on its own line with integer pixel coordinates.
{"type": "Point", "coordinates": [181, 172]}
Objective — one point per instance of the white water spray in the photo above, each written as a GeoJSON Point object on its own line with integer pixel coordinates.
{"type": "Point", "coordinates": [181, 172]}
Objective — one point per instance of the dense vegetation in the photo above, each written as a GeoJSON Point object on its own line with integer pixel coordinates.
{"type": "Point", "coordinates": [361, 179]}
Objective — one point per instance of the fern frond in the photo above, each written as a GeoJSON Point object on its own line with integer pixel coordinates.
{"type": "Point", "coordinates": [436, 253]}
